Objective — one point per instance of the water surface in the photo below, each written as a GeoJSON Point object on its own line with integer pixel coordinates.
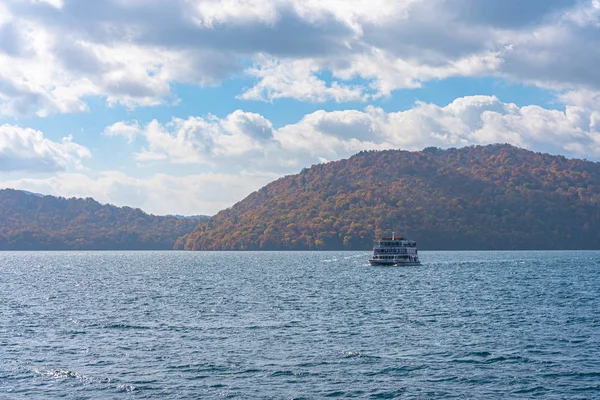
{"type": "Point", "coordinates": [170, 325]}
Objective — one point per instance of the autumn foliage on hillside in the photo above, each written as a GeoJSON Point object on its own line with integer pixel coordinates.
{"type": "Point", "coordinates": [483, 197]}
{"type": "Point", "coordinates": [34, 222]}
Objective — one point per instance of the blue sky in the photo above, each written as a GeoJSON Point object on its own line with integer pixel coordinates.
{"type": "Point", "coordinates": [187, 106]}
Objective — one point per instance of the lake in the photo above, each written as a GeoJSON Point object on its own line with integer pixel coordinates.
{"type": "Point", "coordinates": [299, 325]}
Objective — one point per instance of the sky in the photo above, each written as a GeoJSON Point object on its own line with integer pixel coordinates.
{"type": "Point", "coordinates": [187, 106]}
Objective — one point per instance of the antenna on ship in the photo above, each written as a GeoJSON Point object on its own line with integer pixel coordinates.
{"type": "Point", "coordinates": [393, 235]}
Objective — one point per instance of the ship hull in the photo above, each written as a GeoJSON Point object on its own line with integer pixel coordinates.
{"type": "Point", "coordinates": [382, 263]}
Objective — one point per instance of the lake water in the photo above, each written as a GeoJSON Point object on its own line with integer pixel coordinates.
{"type": "Point", "coordinates": [283, 325]}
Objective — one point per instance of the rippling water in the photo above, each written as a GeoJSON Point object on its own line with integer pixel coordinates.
{"type": "Point", "coordinates": [299, 325]}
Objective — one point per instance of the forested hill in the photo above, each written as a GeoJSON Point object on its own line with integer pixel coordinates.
{"type": "Point", "coordinates": [34, 222]}
{"type": "Point", "coordinates": [492, 197]}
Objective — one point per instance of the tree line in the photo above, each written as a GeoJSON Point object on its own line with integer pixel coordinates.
{"type": "Point", "coordinates": [34, 222]}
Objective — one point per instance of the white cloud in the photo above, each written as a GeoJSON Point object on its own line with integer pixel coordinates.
{"type": "Point", "coordinates": [131, 52]}
{"type": "Point", "coordinates": [106, 62]}
{"type": "Point", "coordinates": [214, 12]}
{"type": "Point", "coordinates": [353, 12]}
{"type": "Point", "coordinates": [54, 3]}
{"type": "Point", "coordinates": [24, 149]}
{"type": "Point", "coordinates": [388, 73]}
{"type": "Point", "coordinates": [581, 98]}
{"type": "Point", "coordinates": [296, 79]}
{"type": "Point", "coordinates": [5, 14]}
{"type": "Point", "coordinates": [248, 141]}
{"type": "Point", "coordinates": [550, 44]}
{"type": "Point", "coordinates": [466, 121]}
{"type": "Point", "coordinates": [129, 130]}
{"type": "Point", "coordinates": [200, 140]}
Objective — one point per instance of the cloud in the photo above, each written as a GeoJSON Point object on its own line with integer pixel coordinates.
{"type": "Point", "coordinates": [129, 130]}
{"type": "Point", "coordinates": [199, 140]}
{"type": "Point", "coordinates": [24, 149]}
{"type": "Point", "coordinates": [550, 44]}
{"type": "Point", "coordinates": [503, 14]}
{"type": "Point", "coordinates": [581, 98]}
{"type": "Point", "coordinates": [131, 52]}
{"type": "Point", "coordinates": [213, 13]}
{"type": "Point", "coordinates": [245, 140]}
{"type": "Point", "coordinates": [466, 121]}
{"type": "Point", "coordinates": [54, 3]}
{"type": "Point", "coordinates": [296, 79]}
{"type": "Point", "coordinates": [559, 56]}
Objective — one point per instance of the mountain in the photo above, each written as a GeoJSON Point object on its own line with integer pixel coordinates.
{"type": "Point", "coordinates": [30, 221]}
{"type": "Point", "coordinates": [482, 197]}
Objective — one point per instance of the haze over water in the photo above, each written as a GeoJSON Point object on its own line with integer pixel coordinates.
{"type": "Point", "coordinates": [162, 325]}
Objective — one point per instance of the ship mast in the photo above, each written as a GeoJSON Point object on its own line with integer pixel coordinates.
{"type": "Point", "coordinates": [393, 235]}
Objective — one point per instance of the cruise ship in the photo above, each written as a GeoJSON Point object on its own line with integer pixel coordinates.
{"type": "Point", "coordinates": [395, 251]}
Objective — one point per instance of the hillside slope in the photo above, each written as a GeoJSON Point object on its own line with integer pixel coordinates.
{"type": "Point", "coordinates": [484, 197]}
{"type": "Point", "coordinates": [35, 222]}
